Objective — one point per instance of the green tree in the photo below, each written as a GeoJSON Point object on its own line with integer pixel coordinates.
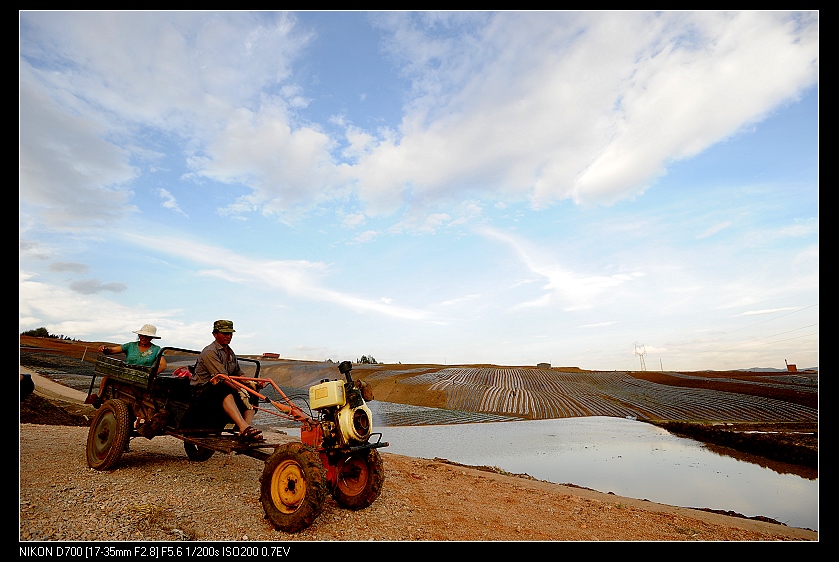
{"type": "Point", "coordinates": [38, 333]}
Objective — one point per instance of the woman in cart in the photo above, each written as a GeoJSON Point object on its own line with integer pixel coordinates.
{"type": "Point", "coordinates": [141, 353]}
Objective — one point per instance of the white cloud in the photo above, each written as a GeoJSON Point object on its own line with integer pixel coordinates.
{"type": "Point", "coordinates": [172, 70]}
{"type": "Point", "coordinates": [461, 300]}
{"type": "Point", "coordinates": [707, 78]}
{"type": "Point", "coordinates": [484, 114]}
{"type": "Point", "coordinates": [714, 229]}
{"type": "Point", "coordinates": [801, 228]}
{"type": "Point", "coordinates": [296, 277]}
{"type": "Point", "coordinates": [169, 201]}
{"type": "Point", "coordinates": [204, 76]}
{"type": "Point", "coordinates": [509, 106]}
{"type": "Point", "coordinates": [279, 164]}
{"type": "Point", "coordinates": [564, 287]}
{"type": "Point", "coordinates": [93, 286]}
{"type": "Point", "coordinates": [767, 311]}
{"type": "Point", "coordinates": [366, 236]}
{"type": "Point", "coordinates": [354, 219]}
{"type": "Point", "coordinates": [69, 266]}
{"type": "Point", "coordinates": [589, 106]}
{"type": "Point", "coordinates": [68, 170]}
{"type": "Point", "coordinates": [67, 312]}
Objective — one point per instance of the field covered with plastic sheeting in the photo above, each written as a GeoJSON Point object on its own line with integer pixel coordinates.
{"type": "Point", "coordinates": [534, 393]}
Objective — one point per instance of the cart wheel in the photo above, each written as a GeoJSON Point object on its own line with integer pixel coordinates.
{"type": "Point", "coordinates": [293, 488]}
{"type": "Point", "coordinates": [197, 453]}
{"type": "Point", "coordinates": [108, 435]}
{"type": "Point", "coordinates": [360, 477]}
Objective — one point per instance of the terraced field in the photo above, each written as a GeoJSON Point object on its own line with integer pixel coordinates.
{"type": "Point", "coordinates": [534, 393]}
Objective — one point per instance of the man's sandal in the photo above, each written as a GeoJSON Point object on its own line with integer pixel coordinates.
{"type": "Point", "coordinates": [251, 435]}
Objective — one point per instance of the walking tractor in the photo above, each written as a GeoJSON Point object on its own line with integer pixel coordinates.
{"type": "Point", "coordinates": [337, 453]}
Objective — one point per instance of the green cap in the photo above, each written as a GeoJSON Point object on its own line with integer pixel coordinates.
{"type": "Point", "coordinates": [223, 326]}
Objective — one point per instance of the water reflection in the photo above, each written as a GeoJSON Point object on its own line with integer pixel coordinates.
{"type": "Point", "coordinates": [775, 466]}
{"type": "Point", "coordinates": [627, 457]}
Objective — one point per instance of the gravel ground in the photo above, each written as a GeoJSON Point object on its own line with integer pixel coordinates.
{"type": "Point", "coordinates": [158, 494]}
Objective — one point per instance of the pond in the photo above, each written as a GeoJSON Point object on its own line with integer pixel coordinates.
{"type": "Point", "coordinates": [629, 458]}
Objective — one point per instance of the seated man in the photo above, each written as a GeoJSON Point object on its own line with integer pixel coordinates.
{"type": "Point", "coordinates": [217, 358]}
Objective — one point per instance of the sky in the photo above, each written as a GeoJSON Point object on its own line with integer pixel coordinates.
{"type": "Point", "coordinates": [609, 190]}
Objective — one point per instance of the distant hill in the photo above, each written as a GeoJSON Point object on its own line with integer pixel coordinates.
{"type": "Point", "coordinates": [774, 370]}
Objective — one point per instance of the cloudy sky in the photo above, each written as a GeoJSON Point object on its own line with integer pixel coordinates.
{"type": "Point", "coordinates": [576, 188]}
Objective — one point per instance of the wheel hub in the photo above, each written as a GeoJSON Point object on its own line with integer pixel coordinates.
{"type": "Point", "coordinates": [104, 436]}
{"type": "Point", "coordinates": [288, 487]}
{"type": "Point", "coordinates": [352, 475]}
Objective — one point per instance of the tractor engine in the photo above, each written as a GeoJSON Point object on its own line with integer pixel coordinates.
{"type": "Point", "coordinates": [345, 418]}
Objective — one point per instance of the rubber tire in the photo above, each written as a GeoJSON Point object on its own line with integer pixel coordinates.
{"type": "Point", "coordinates": [293, 487]}
{"type": "Point", "coordinates": [360, 477]}
{"type": "Point", "coordinates": [108, 435]}
{"type": "Point", "coordinates": [197, 453]}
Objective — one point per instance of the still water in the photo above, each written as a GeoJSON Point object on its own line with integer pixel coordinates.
{"type": "Point", "coordinates": [630, 458]}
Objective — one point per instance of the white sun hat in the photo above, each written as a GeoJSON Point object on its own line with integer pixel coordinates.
{"type": "Point", "coordinates": [148, 330]}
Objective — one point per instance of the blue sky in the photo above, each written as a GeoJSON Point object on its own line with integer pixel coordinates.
{"type": "Point", "coordinates": [444, 187]}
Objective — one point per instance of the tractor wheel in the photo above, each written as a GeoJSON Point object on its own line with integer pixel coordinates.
{"type": "Point", "coordinates": [293, 487]}
{"type": "Point", "coordinates": [108, 436]}
{"type": "Point", "coordinates": [360, 477]}
{"type": "Point", "coordinates": [197, 453]}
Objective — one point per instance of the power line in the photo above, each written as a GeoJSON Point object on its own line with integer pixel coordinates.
{"type": "Point", "coordinates": [799, 274]}
{"type": "Point", "coordinates": [789, 339]}
{"type": "Point", "coordinates": [778, 334]}
{"type": "Point", "coordinates": [732, 347]}
{"type": "Point", "coordinates": [772, 319]}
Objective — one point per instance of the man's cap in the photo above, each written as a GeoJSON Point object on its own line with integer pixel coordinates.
{"type": "Point", "coordinates": [223, 326]}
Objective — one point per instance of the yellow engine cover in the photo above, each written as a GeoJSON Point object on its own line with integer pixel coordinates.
{"type": "Point", "coordinates": [326, 394]}
{"type": "Point", "coordinates": [356, 423]}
